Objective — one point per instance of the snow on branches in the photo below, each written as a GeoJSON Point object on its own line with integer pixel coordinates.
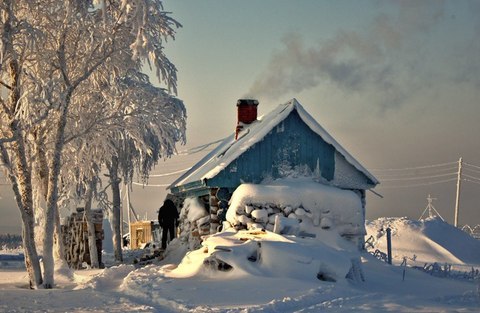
{"type": "Point", "coordinates": [73, 97]}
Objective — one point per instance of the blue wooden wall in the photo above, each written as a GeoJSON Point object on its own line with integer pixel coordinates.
{"type": "Point", "coordinates": [290, 144]}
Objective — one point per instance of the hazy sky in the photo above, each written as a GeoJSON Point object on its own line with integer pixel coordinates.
{"type": "Point", "coordinates": [397, 83]}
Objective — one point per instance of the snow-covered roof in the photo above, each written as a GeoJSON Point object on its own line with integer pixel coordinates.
{"type": "Point", "coordinates": [230, 149]}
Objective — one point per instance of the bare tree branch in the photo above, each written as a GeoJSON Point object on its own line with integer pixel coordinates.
{"type": "Point", "coordinates": [5, 85]}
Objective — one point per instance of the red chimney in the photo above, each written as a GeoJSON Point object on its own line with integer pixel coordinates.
{"type": "Point", "coordinates": [246, 113]}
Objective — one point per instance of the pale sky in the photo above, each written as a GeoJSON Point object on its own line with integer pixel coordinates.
{"type": "Point", "coordinates": [397, 83]}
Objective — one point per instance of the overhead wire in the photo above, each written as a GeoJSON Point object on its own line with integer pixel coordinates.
{"type": "Point", "coordinates": [471, 177]}
{"type": "Point", "coordinates": [419, 184]}
{"type": "Point", "coordinates": [418, 177]}
{"type": "Point", "coordinates": [148, 185]}
{"type": "Point", "coordinates": [414, 168]}
{"type": "Point", "coordinates": [170, 173]}
{"type": "Point", "coordinates": [409, 174]}
{"type": "Point", "coordinates": [415, 173]}
{"type": "Point", "coordinates": [190, 151]}
{"type": "Point", "coordinates": [468, 164]}
{"type": "Point", "coordinates": [471, 170]}
{"type": "Point", "coordinates": [389, 175]}
{"type": "Point", "coordinates": [199, 148]}
{"type": "Point", "coordinates": [471, 181]}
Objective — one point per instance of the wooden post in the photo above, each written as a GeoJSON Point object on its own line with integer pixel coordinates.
{"type": "Point", "coordinates": [457, 200]}
{"type": "Point", "coordinates": [128, 213]}
{"type": "Point", "coordinates": [389, 245]}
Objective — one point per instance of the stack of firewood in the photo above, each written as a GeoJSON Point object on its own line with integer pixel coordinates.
{"type": "Point", "coordinates": [218, 208]}
{"type": "Point", "coordinates": [214, 219]}
{"type": "Point", "coordinates": [75, 238]}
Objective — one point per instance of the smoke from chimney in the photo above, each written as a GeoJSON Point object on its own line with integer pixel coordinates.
{"type": "Point", "coordinates": [372, 62]}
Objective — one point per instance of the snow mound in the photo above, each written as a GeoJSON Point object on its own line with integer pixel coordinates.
{"type": "Point", "coordinates": [109, 278]}
{"type": "Point", "coordinates": [265, 254]}
{"type": "Point", "coordinates": [63, 274]}
{"type": "Point", "coordinates": [425, 241]}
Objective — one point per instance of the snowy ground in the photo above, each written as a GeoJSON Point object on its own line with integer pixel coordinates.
{"type": "Point", "coordinates": [281, 278]}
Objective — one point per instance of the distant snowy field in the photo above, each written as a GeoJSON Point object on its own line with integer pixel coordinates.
{"type": "Point", "coordinates": [280, 276]}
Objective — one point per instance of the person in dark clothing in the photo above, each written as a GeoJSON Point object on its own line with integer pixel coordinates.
{"type": "Point", "coordinates": [167, 218]}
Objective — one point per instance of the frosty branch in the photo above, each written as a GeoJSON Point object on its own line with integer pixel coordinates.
{"type": "Point", "coordinates": [71, 64]}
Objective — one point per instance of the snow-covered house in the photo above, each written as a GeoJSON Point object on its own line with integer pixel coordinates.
{"type": "Point", "coordinates": [285, 143]}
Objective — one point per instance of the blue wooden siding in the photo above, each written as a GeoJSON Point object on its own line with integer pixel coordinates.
{"type": "Point", "coordinates": [289, 145]}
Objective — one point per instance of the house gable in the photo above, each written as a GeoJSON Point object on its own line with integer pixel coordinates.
{"type": "Point", "coordinates": [274, 146]}
{"type": "Point", "coordinates": [289, 147]}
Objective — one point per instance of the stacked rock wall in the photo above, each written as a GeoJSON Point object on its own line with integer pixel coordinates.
{"type": "Point", "coordinates": [264, 215]}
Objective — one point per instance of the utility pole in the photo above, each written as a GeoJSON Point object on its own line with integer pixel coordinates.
{"type": "Point", "coordinates": [457, 201]}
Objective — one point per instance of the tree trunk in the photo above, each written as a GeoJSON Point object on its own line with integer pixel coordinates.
{"type": "Point", "coordinates": [32, 263]}
{"type": "Point", "coordinates": [92, 244]}
{"type": "Point", "coordinates": [116, 220]}
{"type": "Point", "coordinates": [19, 173]}
{"type": "Point", "coordinates": [41, 167]}
{"type": "Point", "coordinates": [25, 192]}
{"type": "Point", "coordinates": [59, 253]}
{"type": "Point", "coordinates": [52, 198]}
{"type": "Point", "coordinates": [21, 186]}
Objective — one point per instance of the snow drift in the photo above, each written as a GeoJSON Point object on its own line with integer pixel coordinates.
{"type": "Point", "coordinates": [429, 240]}
{"type": "Point", "coordinates": [263, 253]}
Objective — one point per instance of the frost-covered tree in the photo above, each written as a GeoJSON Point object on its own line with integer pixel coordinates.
{"type": "Point", "coordinates": [18, 43]}
{"type": "Point", "coordinates": [145, 125]}
{"type": "Point", "coordinates": [155, 123]}
{"type": "Point", "coordinates": [54, 53]}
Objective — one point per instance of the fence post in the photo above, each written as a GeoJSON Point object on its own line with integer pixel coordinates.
{"type": "Point", "coordinates": [389, 245]}
{"type": "Point", "coordinates": [404, 264]}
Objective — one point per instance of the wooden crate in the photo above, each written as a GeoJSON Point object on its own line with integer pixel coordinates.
{"type": "Point", "coordinates": [140, 233]}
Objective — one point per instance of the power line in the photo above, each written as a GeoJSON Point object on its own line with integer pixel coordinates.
{"type": "Point", "coordinates": [420, 184]}
{"type": "Point", "coordinates": [418, 177]}
{"type": "Point", "coordinates": [414, 168]}
{"type": "Point", "coordinates": [471, 181]}
{"type": "Point", "coordinates": [148, 185]}
{"type": "Point", "coordinates": [416, 172]}
{"type": "Point", "coordinates": [472, 177]}
{"type": "Point", "coordinates": [171, 173]}
{"type": "Point", "coordinates": [468, 164]}
{"type": "Point", "coordinates": [199, 148]}
{"type": "Point", "coordinates": [472, 170]}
